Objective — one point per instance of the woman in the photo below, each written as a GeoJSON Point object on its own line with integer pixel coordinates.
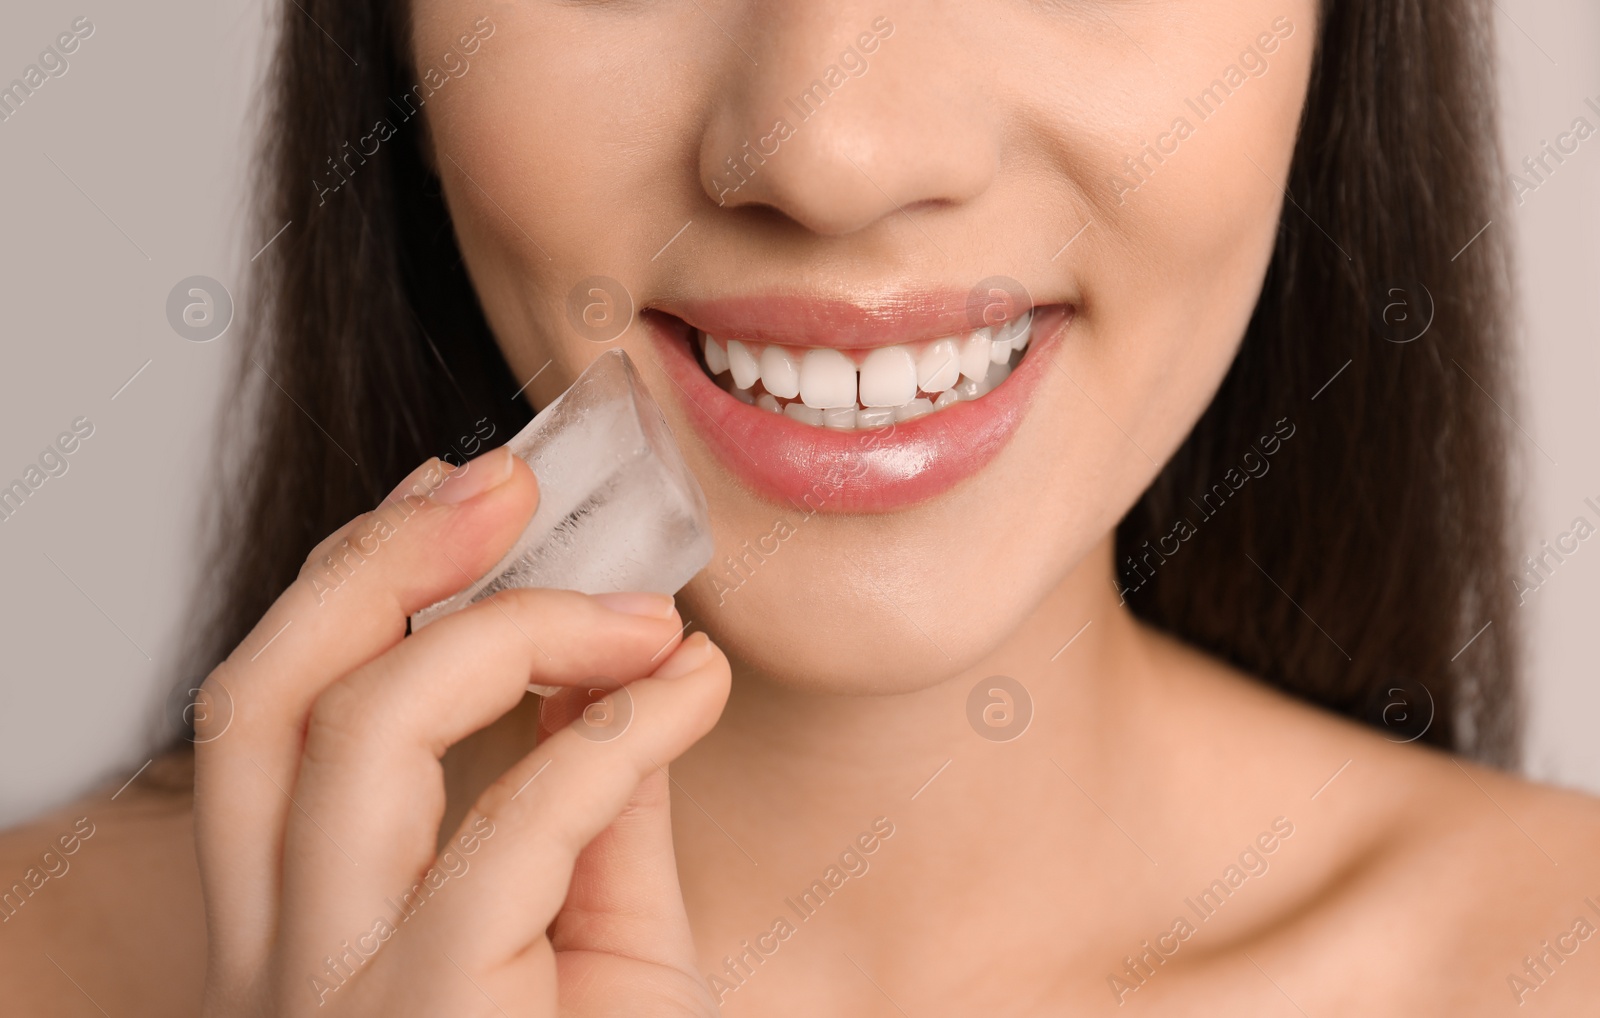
{"type": "Point", "coordinates": [1143, 671]}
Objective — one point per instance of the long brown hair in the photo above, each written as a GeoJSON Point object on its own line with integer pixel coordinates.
{"type": "Point", "coordinates": [1350, 575]}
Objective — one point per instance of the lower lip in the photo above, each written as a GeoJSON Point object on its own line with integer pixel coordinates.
{"type": "Point", "coordinates": [868, 470]}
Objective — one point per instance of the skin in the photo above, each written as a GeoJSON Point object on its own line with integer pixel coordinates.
{"type": "Point", "coordinates": [1019, 874]}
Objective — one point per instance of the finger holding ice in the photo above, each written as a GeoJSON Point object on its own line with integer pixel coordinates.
{"type": "Point", "coordinates": [618, 508]}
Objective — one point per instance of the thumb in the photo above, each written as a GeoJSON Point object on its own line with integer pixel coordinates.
{"type": "Point", "coordinates": [624, 898]}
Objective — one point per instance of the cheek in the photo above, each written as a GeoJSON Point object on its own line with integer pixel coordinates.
{"type": "Point", "coordinates": [550, 151]}
{"type": "Point", "coordinates": [1181, 261]}
{"type": "Point", "coordinates": [563, 131]}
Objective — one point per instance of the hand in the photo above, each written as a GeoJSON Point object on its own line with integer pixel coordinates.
{"type": "Point", "coordinates": [318, 806]}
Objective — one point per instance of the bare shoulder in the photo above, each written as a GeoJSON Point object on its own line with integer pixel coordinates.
{"type": "Point", "coordinates": [1451, 887]}
{"type": "Point", "coordinates": [101, 900]}
{"type": "Point", "coordinates": [1497, 879]}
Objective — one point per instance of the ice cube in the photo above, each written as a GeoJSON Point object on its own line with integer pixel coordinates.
{"type": "Point", "coordinates": [618, 509]}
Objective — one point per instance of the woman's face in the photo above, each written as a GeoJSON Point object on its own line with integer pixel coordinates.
{"type": "Point", "coordinates": [849, 185]}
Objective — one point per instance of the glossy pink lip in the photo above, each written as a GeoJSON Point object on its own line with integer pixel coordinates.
{"type": "Point", "coordinates": [871, 470]}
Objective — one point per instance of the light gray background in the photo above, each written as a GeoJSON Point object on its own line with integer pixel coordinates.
{"type": "Point", "coordinates": [127, 174]}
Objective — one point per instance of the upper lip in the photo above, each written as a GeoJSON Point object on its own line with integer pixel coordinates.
{"type": "Point", "coordinates": [791, 319]}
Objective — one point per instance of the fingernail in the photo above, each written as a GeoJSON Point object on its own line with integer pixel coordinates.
{"type": "Point", "coordinates": [633, 602]}
{"type": "Point", "coordinates": [475, 477]}
{"type": "Point", "coordinates": [691, 654]}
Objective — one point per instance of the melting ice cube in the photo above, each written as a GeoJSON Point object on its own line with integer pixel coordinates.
{"type": "Point", "coordinates": [618, 509]}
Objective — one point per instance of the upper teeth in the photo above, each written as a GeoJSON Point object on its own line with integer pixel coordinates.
{"type": "Point", "coordinates": [891, 382]}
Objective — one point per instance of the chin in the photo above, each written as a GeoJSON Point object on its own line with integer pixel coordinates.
{"type": "Point", "coordinates": [877, 606]}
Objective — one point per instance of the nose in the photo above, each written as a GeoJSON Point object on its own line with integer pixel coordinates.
{"type": "Point", "coordinates": [838, 118]}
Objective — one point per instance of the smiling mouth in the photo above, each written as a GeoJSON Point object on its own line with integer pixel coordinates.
{"type": "Point", "coordinates": [848, 406]}
{"type": "Point", "coordinates": [846, 390]}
